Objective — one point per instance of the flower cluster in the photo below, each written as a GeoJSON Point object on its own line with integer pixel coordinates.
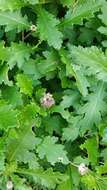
{"type": "Point", "coordinates": [82, 169]}
{"type": "Point", "coordinates": [47, 100]}
{"type": "Point", "coordinates": [33, 28]}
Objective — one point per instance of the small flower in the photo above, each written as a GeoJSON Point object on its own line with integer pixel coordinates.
{"type": "Point", "coordinates": [33, 28]}
{"type": "Point", "coordinates": [60, 159]}
{"type": "Point", "coordinates": [47, 100]}
{"type": "Point", "coordinates": [82, 169]}
{"type": "Point", "coordinates": [9, 185]}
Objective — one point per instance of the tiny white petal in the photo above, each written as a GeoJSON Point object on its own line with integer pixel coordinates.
{"type": "Point", "coordinates": [60, 159]}
{"type": "Point", "coordinates": [82, 169]}
{"type": "Point", "coordinates": [33, 28]}
{"type": "Point", "coordinates": [9, 185]}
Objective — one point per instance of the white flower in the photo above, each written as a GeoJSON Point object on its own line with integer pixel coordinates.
{"type": "Point", "coordinates": [47, 100]}
{"type": "Point", "coordinates": [33, 28]}
{"type": "Point", "coordinates": [82, 169]}
{"type": "Point", "coordinates": [60, 159]}
{"type": "Point", "coordinates": [9, 185]}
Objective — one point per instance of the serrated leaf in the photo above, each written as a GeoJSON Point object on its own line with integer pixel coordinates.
{"type": "Point", "coordinates": [104, 154]}
{"type": "Point", "coordinates": [92, 59]}
{"type": "Point", "coordinates": [19, 147]}
{"type": "Point", "coordinates": [67, 2]}
{"type": "Point", "coordinates": [102, 169]}
{"type": "Point", "coordinates": [53, 152]}
{"type": "Point", "coordinates": [10, 5]}
{"type": "Point", "coordinates": [25, 84]}
{"type": "Point", "coordinates": [94, 181]}
{"type": "Point", "coordinates": [12, 95]}
{"type": "Point", "coordinates": [20, 183]}
{"type": "Point", "coordinates": [18, 53]}
{"type": "Point", "coordinates": [70, 98]}
{"type": "Point", "coordinates": [91, 145]}
{"type": "Point", "coordinates": [47, 178]}
{"type": "Point", "coordinates": [53, 123]}
{"type": "Point", "coordinates": [47, 29]}
{"type": "Point", "coordinates": [77, 72]}
{"type": "Point", "coordinates": [103, 16]}
{"type": "Point", "coordinates": [71, 132]}
{"type": "Point", "coordinates": [94, 109]}
{"type": "Point", "coordinates": [2, 154]}
{"type": "Point", "coordinates": [3, 52]}
{"type": "Point", "coordinates": [8, 116]}
{"type": "Point", "coordinates": [81, 11]}
{"type": "Point", "coordinates": [64, 113]}
{"type": "Point", "coordinates": [33, 2]}
{"type": "Point", "coordinates": [68, 184]}
{"type": "Point", "coordinates": [22, 142]}
{"type": "Point", "coordinates": [104, 137]}
{"type": "Point", "coordinates": [13, 20]}
{"type": "Point", "coordinates": [4, 75]}
{"type": "Point", "coordinates": [29, 112]}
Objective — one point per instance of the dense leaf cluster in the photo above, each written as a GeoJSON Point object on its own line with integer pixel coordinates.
{"type": "Point", "coordinates": [54, 51]}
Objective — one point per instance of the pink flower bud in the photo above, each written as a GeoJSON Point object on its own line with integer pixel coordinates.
{"type": "Point", "coordinates": [47, 100]}
{"type": "Point", "coordinates": [82, 169]}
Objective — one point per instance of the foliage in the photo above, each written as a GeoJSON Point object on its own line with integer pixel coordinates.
{"type": "Point", "coordinates": [54, 51]}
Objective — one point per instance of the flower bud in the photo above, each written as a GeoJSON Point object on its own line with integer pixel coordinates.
{"type": "Point", "coordinates": [47, 100]}
{"type": "Point", "coordinates": [9, 185]}
{"type": "Point", "coordinates": [33, 28]}
{"type": "Point", "coordinates": [60, 159]}
{"type": "Point", "coordinates": [82, 169]}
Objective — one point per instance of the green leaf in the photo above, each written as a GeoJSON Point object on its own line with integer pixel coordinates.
{"type": "Point", "coordinates": [12, 95]}
{"type": "Point", "coordinates": [4, 75]}
{"type": "Point", "coordinates": [29, 113]}
{"type": "Point", "coordinates": [68, 2]}
{"type": "Point", "coordinates": [33, 2]}
{"type": "Point", "coordinates": [20, 183]}
{"type": "Point", "coordinates": [94, 181]}
{"type": "Point", "coordinates": [49, 64]}
{"type": "Point", "coordinates": [10, 4]}
{"type": "Point", "coordinates": [68, 184]}
{"type": "Point", "coordinates": [13, 20]}
{"type": "Point", "coordinates": [19, 146]}
{"type": "Point", "coordinates": [103, 16]}
{"type": "Point", "coordinates": [25, 84]}
{"type": "Point", "coordinates": [91, 145]}
{"type": "Point", "coordinates": [53, 152]}
{"type": "Point", "coordinates": [8, 116]}
{"type": "Point", "coordinates": [94, 109]}
{"type": "Point", "coordinates": [92, 59]}
{"type": "Point", "coordinates": [2, 154]}
{"type": "Point", "coordinates": [104, 137]}
{"type": "Point", "coordinates": [3, 52]}
{"type": "Point", "coordinates": [48, 30]}
{"type": "Point", "coordinates": [70, 98]}
{"type": "Point", "coordinates": [104, 154]}
{"type": "Point", "coordinates": [103, 168]}
{"type": "Point", "coordinates": [71, 132]}
{"type": "Point", "coordinates": [81, 11]}
{"type": "Point", "coordinates": [18, 53]}
{"type": "Point", "coordinates": [22, 142]}
{"type": "Point", "coordinates": [76, 72]}
{"type": "Point", "coordinates": [46, 178]}
{"type": "Point", "coordinates": [53, 123]}
{"type": "Point", "coordinates": [64, 113]}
